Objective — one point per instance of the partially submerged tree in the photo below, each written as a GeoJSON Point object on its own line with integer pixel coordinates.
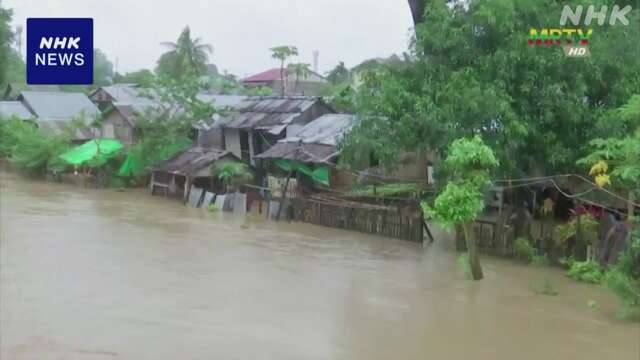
{"type": "Point", "coordinates": [282, 53]}
{"type": "Point", "coordinates": [459, 204]}
{"type": "Point", "coordinates": [186, 57]}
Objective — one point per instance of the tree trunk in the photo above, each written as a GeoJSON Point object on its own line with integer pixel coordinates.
{"type": "Point", "coordinates": [282, 78]}
{"type": "Point", "coordinates": [474, 260]}
{"type": "Point", "coordinates": [417, 10]}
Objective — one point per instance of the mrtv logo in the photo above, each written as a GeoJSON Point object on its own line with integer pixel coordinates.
{"type": "Point", "coordinates": [575, 40]}
{"type": "Point", "coordinates": [60, 51]}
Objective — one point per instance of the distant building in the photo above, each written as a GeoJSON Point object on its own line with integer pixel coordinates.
{"type": "Point", "coordinates": [56, 111]}
{"type": "Point", "coordinates": [106, 96]}
{"type": "Point", "coordinates": [311, 85]}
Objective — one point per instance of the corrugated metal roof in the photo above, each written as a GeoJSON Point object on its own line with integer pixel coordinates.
{"type": "Point", "coordinates": [308, 153]}
{"type": "Point", "coordinates": [268, 112]}
{"type": "Point", "coordinates": [49, 106]}
{"type": "Point", "coordinates": [326, 130]}
{"type": "Point", "coordinates": [125, 93]}
{"type": "Point", "coordinates": [222, 101]}
{"type": "Point", "coordinates": [191, 161]}
{"type": "Point", "coordinates": [15, 108]}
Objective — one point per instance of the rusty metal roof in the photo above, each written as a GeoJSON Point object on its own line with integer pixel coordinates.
{"type": "Point", "coordinates": [268, 112]}
{"type": "Point", "coordinates": [193, 161]}
{"type": "Point", "coordinates": [308, 153]}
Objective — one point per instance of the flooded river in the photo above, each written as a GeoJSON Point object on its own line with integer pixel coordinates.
{"type": "Point", "coordinates": [91, 274]}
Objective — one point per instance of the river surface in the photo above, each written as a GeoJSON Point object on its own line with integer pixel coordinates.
{"type": "Point", "coordinates": [88, 274]}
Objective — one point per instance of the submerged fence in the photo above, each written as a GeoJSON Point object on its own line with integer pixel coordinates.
{"type": "Point", "coordinates": [395, 222]}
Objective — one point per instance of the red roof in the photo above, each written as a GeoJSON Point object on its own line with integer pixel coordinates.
{"type": "Point", "coordinates": [267, 76]}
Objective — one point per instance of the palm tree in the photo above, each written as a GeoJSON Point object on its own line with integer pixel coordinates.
{"type": "Point", "coordinates": [282, 53]}
{"type": "Point", "coordinates": [301, 70]}
{"type": "Point", "coordinates": [187, 56]}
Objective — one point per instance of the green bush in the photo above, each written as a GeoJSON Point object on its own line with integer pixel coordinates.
{"type": "Point", "coordinates": [624, 279]}
{"type": "Point", "coordinates": [31, 149]}
{"type": "Point", "coordinates": [627, 289]}
{"type": "Point", "coordinates": [523, 250]}
{"type": "Point", "coordinates": [586, 271]}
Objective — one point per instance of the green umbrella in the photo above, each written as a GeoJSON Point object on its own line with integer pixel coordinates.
{"type": "Point", "coordinates": [94, 152]}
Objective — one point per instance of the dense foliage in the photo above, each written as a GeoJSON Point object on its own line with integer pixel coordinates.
{"type": "Point", "coordinates": [472, 71]}
{"type": "Point", "coordinates": [31, 149]}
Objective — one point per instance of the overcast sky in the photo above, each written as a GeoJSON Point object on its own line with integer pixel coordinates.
{"type": "Point", "coordinates": [241, 31]}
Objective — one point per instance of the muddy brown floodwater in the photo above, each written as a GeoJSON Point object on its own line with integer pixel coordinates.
{"type": "Point", "coordinates": [91, 274]}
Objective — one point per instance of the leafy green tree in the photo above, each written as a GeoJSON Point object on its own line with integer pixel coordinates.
{"type": "Point", "coordinates": [6, 38]}
{"type": "Point", "coordinates": [339, 74]}
{"type": "Point", "coordinates": [187, 57]}
{"type": "Point", "coordinates": [472, 71]}
{"type": "Point", "coordinates": [165, 129]}
{"type": "Point", "coordinates": [616, 160]}
{"type": "Point", "coordinates": [102, 69]}
{"type": "Point", "coordinates": [16, 68]}
{"type": "Point", "coordinates": [31, 149]}
{"type": "Point", "coordinates": [282, 53]}
{"type": "Point", "coordinates": [301, 71]}
{"type": "Point", "coordinates": [144, 78]}
{"type": "Point", "coordinates": [459, 204]}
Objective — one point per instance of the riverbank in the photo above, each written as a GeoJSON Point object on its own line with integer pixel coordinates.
{"type": "Point", "coordinates": [103, 274]}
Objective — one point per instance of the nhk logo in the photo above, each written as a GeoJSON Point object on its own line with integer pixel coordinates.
{"type": "Point", "coordinates": [60, 51]}
{"type": "Point", "coordinates": [575, 40]}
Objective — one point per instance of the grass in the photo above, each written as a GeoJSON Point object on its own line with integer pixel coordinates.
{"type": "Point", "coordinates": [586, 271]}
{"type": "Point", "coordinates": [395, 189]}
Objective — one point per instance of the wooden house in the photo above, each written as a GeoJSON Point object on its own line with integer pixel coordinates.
{"type": "Point", "coordinates": [259, 122]}
{"type": "Point", "coordinates": [194, 166]}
